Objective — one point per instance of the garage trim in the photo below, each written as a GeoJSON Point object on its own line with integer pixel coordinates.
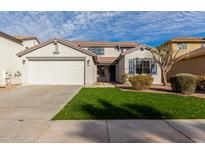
{"type": "Point", "coordinates": [56, 58]}
{"type": "Point", "coordinates": [61, 59]}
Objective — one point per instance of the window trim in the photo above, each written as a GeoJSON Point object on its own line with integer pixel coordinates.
{"type": "Point", "coordinates": [133, 67]}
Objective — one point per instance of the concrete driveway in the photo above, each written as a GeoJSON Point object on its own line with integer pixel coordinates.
{"type": "Point", "coordinates": [34, 102]}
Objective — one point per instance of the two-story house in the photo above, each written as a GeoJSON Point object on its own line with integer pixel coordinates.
{"type": "Point", "coordinates": [192, 51]}
{"type": "Point", "coordinates": [10, 64]}
{"type": "Point", "coordinates": [63, 62]}
{"type": "Point", "coordinates": [107, 53]}
{"type": "Point", "coordinates": [186, 44]}
{"type": "Point", "coordinates": [116, 58]}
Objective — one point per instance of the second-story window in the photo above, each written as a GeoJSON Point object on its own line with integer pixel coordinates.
{"type": "Point", "coordinates": [181, 46]}
{"type": "Point", "coordinates": [98, 51]}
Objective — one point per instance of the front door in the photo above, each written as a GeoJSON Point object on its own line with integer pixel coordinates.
{"type": "Point", "coordinates": [112, 73]}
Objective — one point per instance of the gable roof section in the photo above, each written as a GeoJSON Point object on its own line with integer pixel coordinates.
{"type": "Point", "coordinates": [10, 37]}
{"type": "Point", "coordinates": [133, 50]}
{"type": "Point", "coordinates": [103, 44]}
{"type": "Point", "coordinates": [59, 41]}
{"type": "Point", "coordinates": [22, 38]}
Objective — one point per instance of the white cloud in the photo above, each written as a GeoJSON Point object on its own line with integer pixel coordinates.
{"type": "Point", "coordinates": [144, 27]}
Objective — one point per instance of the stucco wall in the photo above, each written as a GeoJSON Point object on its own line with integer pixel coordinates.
{"type": "Point", "coordinates": [120, 69]}
{"type": "Point", "coordinates": [190, 47]}
{"type": "Point", "coordinates": [64, 51]}
{"type": "Point", "coordinates": [137, 54]}
{"type": "Point", "coordinates": [194, 66]}
{"type": "Point", "coordinates": [9, 62]}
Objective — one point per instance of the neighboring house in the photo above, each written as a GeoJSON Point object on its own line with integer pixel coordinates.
{"type": "Point", "coordinates": [193, 62]}
{"type": "Point", "coordinates": [10, 68]}
{"type": "Point", "coordinates": [62, 62]}
{"type": "Point", "coordinates": [28, 41]}
{"type": "Point", "coordinates": [186, 44]}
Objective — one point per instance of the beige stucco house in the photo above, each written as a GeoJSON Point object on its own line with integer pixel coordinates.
{"type": "Point", "coordinates": [192, 62]}
{"type": "Point", "coordinates": [59, 61]}
{"type": "Point", "coordinates": [186, 44]}
{"type": "Point", "coordinates": [191, 50]}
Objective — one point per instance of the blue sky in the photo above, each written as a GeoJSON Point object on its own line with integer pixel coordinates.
{"type": "Point", "coordinates": [150, 28]}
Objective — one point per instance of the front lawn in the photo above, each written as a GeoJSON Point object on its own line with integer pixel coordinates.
{"type": "Point", "coordinates": [111, 103]}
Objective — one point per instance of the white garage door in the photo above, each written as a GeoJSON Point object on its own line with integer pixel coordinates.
{"type": "Point", "coordinates": [56, 72]}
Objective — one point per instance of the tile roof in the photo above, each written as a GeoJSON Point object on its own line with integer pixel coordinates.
{"type": "Point", "coordinates": [10, 37]}
{"type": "Point", "coordinates": [139, 47]}
{"type": "Point", "coordinates": [104, 43]}
{"type": "Point", "coordinates": [26, 38]}
{"type": "Point", "coordinates": [188, 39]}
{"type": "Point", "coordinates": [106, 59]}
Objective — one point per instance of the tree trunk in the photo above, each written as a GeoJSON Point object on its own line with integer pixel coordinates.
{"type": "Point", "coordinates": [164, 77]}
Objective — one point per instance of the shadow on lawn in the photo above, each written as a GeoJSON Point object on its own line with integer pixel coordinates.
{"type": "Point", "coordinates": [128, 130]}
{"type": "Point", "coordinates": [126, 111]}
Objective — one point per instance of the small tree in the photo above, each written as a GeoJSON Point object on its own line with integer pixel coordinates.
{"type": "Point", "coordinates": [166, 57]}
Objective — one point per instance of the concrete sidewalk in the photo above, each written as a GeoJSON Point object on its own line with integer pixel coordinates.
{"type": "Point", "coordinates": [103, 131]}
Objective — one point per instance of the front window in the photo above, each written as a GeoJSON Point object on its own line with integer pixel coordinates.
{"type": "Point", "coordinates": [139, 66]}
{"type": "Point", "coordinates": [101, 71]}
{"type": "Point", "coordinates": [181, 46]}
{"type": "Point", "coordinates": [98, 51]}
{"type": "Point", "coordinates": [143, 67]}
{"type": "Point", "coordinates": [146, 67]}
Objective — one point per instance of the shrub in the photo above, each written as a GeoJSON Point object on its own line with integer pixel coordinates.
{"type": "Point", "coordinates": [124, 78]}
{"type": "Point", "coordinates": [201, 82]}
{"type": "Point", "coordinates": [184, 83]}
{"type": "Point", "coordinates": [140, 82]}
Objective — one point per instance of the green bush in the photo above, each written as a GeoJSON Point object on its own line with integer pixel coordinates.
{"type": "Point", "coordinates": [141, 82]}
{"type": "Point", "coordinates": [184, 83]}
{"type": "Point", "coordinates": [124, 78]}
{"type": "Point", "coordinates": [201, 82]}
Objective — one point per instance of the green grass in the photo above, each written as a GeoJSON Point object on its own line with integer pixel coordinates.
{"type": "Point", "coordinates": [112, 103]}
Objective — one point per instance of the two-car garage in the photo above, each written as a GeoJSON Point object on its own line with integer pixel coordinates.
{"type": "Point", "coordinates": [56, 72]}
{"type": "Point", "coordinates": [71, 66]}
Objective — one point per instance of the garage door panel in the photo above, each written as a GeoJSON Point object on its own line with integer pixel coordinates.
{"type": "Point", "coordinates": [56, 72]}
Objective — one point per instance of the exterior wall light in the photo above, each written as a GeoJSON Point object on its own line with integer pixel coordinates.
{"type": "Point", "coordinates": [23, 61]}
{"type": "Point", "coordinates": [88, 62]}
